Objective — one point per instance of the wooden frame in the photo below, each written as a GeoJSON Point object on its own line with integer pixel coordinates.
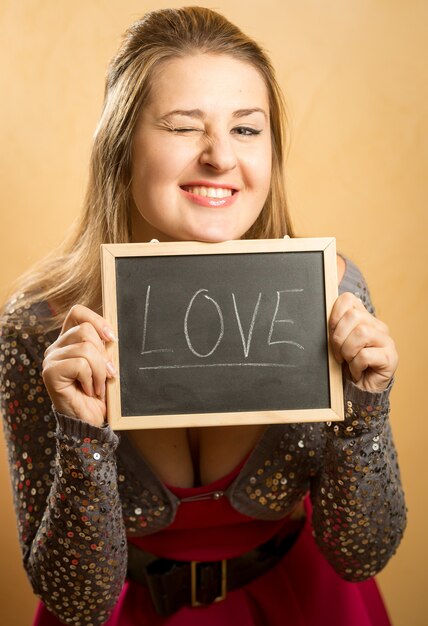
{"type": "Point", "coordinates": [109, 253]}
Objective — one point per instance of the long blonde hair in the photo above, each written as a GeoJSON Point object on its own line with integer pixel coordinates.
{"type": "Point", "coordinates": [73, 274]}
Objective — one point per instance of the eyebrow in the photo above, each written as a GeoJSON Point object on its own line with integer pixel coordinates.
{"type": "Point", "coordinates": [197, 113]}
{"type": "Point", "coordinates": [245, 112]}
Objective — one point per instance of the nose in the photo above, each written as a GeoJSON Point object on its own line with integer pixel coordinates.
{"type": "Point", "coordinates": [218, 152]}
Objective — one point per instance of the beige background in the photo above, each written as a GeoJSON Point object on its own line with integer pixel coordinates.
{"type": "Point", "coordinates": [355, 77]}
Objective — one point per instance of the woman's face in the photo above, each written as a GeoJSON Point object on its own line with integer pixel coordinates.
{"type": "Point", "coordinates": [202, 151]}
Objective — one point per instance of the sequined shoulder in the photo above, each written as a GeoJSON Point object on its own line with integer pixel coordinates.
{"type": "Point", "coordinates": [20, 319]}
{"type": "Point", "coordinates": [354, 282]}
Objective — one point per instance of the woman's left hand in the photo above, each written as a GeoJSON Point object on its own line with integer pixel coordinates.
{"type": "Point", "coordinates": [362, 342]}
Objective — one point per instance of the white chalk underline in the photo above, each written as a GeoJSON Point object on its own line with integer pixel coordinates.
{"type": "Point", "coordinates": [162, 367]}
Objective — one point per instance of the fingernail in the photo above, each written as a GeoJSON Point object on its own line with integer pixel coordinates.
{"type": "Point", "coordinates": [109, 333]}
{"type": "Point", "coordinates": [111, 368]}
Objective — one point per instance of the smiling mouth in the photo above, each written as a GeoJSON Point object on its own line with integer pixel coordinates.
{"type": "Point", "coordinates": [209, 192]}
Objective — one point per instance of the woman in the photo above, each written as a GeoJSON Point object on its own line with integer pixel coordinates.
{"type": "Point", "coordinates": [190, 147]}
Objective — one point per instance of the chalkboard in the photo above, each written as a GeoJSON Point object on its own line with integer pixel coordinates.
{"type": "Point", "coordinates": [228, 333]}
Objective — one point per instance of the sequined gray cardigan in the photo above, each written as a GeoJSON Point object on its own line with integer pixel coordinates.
{"type": "Point", "coordinates": [79, 490]}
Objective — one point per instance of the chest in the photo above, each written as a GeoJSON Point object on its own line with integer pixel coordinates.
{"type": "Point", "coordinates": [188, 457]}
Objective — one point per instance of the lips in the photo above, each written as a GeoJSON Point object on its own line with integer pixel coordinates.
{"type": "Point", "coordinates": [211, 195]}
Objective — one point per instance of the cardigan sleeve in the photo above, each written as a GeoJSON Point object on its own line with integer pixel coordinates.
{"type": "Point", "coordinates": [359, 513]}
{"type": "Point", "coordinates": [63, 476]}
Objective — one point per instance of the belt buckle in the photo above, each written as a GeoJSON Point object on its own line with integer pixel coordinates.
{"type": "Point", "coordinates": [194, 582]}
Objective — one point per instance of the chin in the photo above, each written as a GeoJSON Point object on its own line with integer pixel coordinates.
{"type": "Point", "coordinates": [214, 238]}
{"type": "Point", "coordinates": [216, 235]}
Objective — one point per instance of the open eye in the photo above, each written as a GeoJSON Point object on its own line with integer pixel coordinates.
{"type": "Point", "coordinates": [246, 131]}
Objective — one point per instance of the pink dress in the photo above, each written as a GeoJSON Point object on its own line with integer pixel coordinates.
{"type": "Point", "coordinates": [302, 590]}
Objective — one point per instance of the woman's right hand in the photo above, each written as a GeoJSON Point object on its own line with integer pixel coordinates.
{"type": "Point", "coordinates": [76, 366]}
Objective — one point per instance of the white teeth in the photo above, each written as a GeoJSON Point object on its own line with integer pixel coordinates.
{"type": "Point", "coordinates": [210, 192]}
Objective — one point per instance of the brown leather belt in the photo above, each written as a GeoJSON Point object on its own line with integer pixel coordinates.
{"type": "Point", "coordinates": [174, 584]}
